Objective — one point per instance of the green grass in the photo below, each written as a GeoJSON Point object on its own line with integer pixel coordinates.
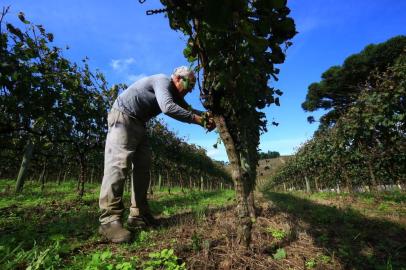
{"type": "Point", "coordinates": [54, 227]}
{"type": "Point", "coordinates": [194, 201]}
{"type": "Point", "coordinates": [32, 194]}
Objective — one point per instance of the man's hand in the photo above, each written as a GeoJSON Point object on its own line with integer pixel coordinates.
{"type": "Point", "coordinates": [210, 125]}
{"type": "Point", "coordinates": [206, 120]}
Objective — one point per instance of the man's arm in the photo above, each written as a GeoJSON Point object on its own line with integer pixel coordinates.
{"type": "Point", "coordinates": [168, 106]}
{"type": "Point", "coordinates": [186, 106]}
{"type": "Point", "coordinates": [207, 123]}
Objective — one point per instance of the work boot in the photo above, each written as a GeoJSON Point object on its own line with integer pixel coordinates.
{"type": "Point", "coordinates": [136, 223]}
{"type": "Point", "coordinates": [150, 220]}
{"type": "Point", "coordinates": [142, 221]}
{"type": "Point", "coordinates": [115, 232]}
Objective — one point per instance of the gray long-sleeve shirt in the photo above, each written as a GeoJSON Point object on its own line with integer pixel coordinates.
{"type": "Point", "coordinates": [149, 96]}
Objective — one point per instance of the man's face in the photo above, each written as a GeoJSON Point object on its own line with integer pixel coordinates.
{"type": "Point", "coordinates": [185, 84]}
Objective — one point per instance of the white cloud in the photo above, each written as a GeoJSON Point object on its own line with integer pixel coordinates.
{"type": "Point", "coordinates": [121, 64]}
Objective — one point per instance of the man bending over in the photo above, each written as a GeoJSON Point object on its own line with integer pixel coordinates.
{"type": "Point", "coordinates": [127, 146]}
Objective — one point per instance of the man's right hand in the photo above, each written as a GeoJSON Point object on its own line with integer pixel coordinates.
{"type": "Point", "coordinates": [205, 120]}
{"type": "Point", "coordinates": [210, 125]}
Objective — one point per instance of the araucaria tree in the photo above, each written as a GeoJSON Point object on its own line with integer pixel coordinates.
{"type": "Point", "coordinates": [235, 45]}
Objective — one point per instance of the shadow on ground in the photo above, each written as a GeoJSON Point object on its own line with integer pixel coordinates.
{"type": "Point", "coordinates": [358, 242]}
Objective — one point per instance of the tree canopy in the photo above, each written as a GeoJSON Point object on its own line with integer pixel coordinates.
{"type": "Point", "coordinates": [269, 154]}
{"type": "Point", "coordinates": [340, 86]}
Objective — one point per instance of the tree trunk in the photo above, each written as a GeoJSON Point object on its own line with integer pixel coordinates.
{"type": "Point", "coordinates": [42, 177]}
{"type": "Point", "coordinates": [82, 176]}
{"type": "Point", "coordinates": [24, 166]}
{"type": "Point", "coordinates": [241, 184]}
{"type": "Point", "coordinates": [308, 189]}
{"type": "Point", "coordinates": [151, 192]}
{"type": "Point", "coordinates": [92, 176]}
{"type": "Point", "coordinates": [374, 185]}
{"type": "Point", "coordinates": [59, 177]}
{"type": "Point", "coordinates": [181, 182]}
{"type": "Point", "coordinates": [348, 182]}
{"type": "Point", "coordinates": [168, 182]}
{"type": "Point", "coordinates": [64, 176]}
{"type": "Point", "coordinates": [159, 182]}
{"type": "Point", "coordinates": [201, 183]}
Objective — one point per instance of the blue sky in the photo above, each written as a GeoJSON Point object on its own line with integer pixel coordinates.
{"type": "Point", "coordinates": [125, 45]}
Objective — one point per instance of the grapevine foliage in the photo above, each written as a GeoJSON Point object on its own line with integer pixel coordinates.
{"type": "Point", "coordinates": [60, 108]}
{"type": "Point", "coordinates": [236, 44]}
{"type": "Point", "coordinates": [366, 146]}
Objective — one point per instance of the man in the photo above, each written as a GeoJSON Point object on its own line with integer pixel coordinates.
{"type": "Point", "coordinates": [127, 145]}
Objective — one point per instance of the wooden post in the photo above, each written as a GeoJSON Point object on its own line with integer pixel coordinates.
{"type": "Point", "coordinates": [24, 167]}
{"type": "Point", "coordinates": [308, 189]}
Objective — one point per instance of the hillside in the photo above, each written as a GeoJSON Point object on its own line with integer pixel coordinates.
{"type": "Point", "coordinates": [266, 167]}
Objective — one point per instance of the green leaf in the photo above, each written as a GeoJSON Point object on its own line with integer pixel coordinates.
{"type": "Point", "coordinates": [22, 18]}
{"type": "Point", "coordinates": [15, 31]}
{"type": "Point", "coordinates": [50, 37]}
{"type": "Point", "coordinates": [280, 254]}
{"type": "Point", "coordinates": [278, 4]}
{"type": "Point", "coordinates": [288, 25]}
{"type": "Point", "coordinates": [277, 102]}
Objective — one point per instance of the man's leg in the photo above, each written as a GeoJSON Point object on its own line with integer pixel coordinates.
{"type": "Point", "coordinates": [117, 157]}
{"type": "Point", "coordinates": [140, 179]}
{"type": "Point", "coordinates": [121, 142]}
{"type": "Point", "coordinates": [140, 214]}
{"type": "Point", "coordinates": [116, 162]}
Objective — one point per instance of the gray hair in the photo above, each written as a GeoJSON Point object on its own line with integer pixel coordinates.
{"type": "Point", "coordinates": [182, 71]}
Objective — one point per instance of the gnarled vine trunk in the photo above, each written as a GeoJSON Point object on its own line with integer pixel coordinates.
{"type": "Point", "coordinates": [243, 190]}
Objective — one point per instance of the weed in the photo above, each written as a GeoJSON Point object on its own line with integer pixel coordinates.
{"type": "Point", "coordinates": [277, 234]}
{"type": "Point", "coordinates": [384, 206]}
{"type": "Point", "coordinates": [310, 264]}
{"type": "Point", "coordinates": [196, 242]}
{"type": "Point", "coordinates": [164, 259]}
{"type": "Point", "coordinates": [11, 258]}
{"type": "Point", "coordinates": [323, 238]}
{"type": "Point", "coordinates": [280, 254]}
{"type": "Point", "coordinates": [106, 260]}
{"type": "Point", "coordinates": [143, 236]}
{"type": "Point", "coordinates": [324, 259]}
